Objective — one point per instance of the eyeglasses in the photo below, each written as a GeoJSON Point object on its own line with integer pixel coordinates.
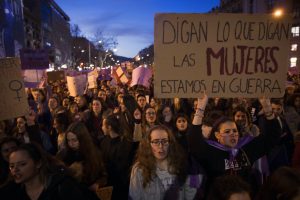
{"type": "Point", "coordinates": [150, 113]}
{"type": "Point", "coordinates": [157, 142]}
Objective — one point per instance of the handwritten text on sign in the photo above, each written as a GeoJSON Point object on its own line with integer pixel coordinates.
{"type": "Point", "coordinates": [227, 55]}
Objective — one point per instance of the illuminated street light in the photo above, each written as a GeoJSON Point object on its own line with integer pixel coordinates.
{"type": "Point", "coordinates": [278, 12]}
{"type": "Point", "coordinates": [82, 51]}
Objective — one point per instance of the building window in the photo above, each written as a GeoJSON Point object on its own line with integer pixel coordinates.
{"type": "Point", "coordinates": [293, 62]}
{"type": "Point", "coordinates": [296, 31]}
{"type": "Point", "coordinates": [294, 47]}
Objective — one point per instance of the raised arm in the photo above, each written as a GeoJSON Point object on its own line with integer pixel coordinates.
{"type": "Point", "coordinates": [201, 104]}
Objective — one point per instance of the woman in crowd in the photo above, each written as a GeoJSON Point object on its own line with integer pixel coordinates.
{"type": "Point", "coordinates": [181, 129]}
{"type": "Point", "coordinates": [82, 103]}
{"type": "Point", "coordinates": [155, 103]}
{"type": "Point", "coordinates": [54, 106]}
{"type": "Point", "coordinates": [166, 116]}
{"type": "Point", "coordinates": [143, 122]}
{"type": "Point", "coordinates": [106, 101]}
{"type": "Point", "coordinates": [7, 145]}
{"type": "Point", "coordinates": [73, 112]}
{"type": "Point", "coordinates": [66, 103]}
{"type": "Point", "coordinates": [125, 112]}
{"type": "Point", "coordinates": [83, 157]}
{"type": "Point", "coordinates": [246, 128]}
{"type": "Point", "coordinates": [160, 170]}
{"type": "Point", "coordinates": [39, 97]}
{"type": "Point", "coordinates": [231, 154]}
{"type": "Point", "coordinates": [242, 119]}
{"type": "Point", "coordinates": [292, 113]}
{"type": "Point", "coordinates": [57, 134]}
{"type": "Point", "coordinates": [142, 101]}
{"type": "Point", "coordinates": [42, 177]}
{"type": "Point", "coordinates": [94, 120]}
{"type": "Point", "coordinates": [28, 131]}
{"type": "Point", "coordinates": [118, 154]}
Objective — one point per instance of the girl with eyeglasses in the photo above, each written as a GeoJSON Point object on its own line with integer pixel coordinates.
{"type": "Point", "coordinates": [143, 121]}
{"type": "Point", "coordinates": [160, 170]}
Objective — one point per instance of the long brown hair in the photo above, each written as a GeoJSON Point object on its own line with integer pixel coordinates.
{"type": "Point", "coordinates": [93, 166]}
{"type": "Point", "coordinates": [145, 160]}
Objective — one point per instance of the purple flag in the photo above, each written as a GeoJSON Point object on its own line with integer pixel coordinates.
{"type": "Point", "coordinates": [34, 59]}
{"type": "Point", "coordinates": [141, 76]}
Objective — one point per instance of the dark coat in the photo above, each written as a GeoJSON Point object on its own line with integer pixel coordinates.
{"type": "Point", "coordinates": [58, 187]}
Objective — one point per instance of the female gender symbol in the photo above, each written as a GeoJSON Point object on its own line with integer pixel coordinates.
{"type": "Point", "coordinates": [16, 85]}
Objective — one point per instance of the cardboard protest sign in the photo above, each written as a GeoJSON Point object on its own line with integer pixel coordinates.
{"type": "Point", "coordinates": [34, 78]}
{"type": "Point", "coordinates": [34, 58]}
{"type": "Point", "coordinates": [92, 79]}
{"type": "Point", "coordinates": [13, 97]}
{"type": "Point", "coordinates": [226, 55]}
{"type": "Point", "coordinates": [141, 76]}
{"type": "Point", "coordinates": [55, 76]}
{"type": "Point", "coordinates": [76, 84]}
{"type": "Point", "coordinates": [120, 75]}
{"type": "Point", "coordinates": [105, 74]}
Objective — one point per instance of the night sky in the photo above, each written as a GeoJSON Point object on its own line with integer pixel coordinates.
{"type": "Point", "coordinates": [131, 22]}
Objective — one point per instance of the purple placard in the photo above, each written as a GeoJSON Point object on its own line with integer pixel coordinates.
{"type": "Point", "coordinates": [34, 59]}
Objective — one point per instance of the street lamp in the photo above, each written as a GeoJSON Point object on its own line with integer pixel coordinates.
{"type": "Point", "coordinates": [278, 12]}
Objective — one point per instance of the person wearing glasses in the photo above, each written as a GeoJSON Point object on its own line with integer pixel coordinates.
{"type": "Point", "coordinates": [160, 170]}
{"type": "Point", "coordinates": [231, 153]}
{"type": "Point", "coordinates": [143, 122]}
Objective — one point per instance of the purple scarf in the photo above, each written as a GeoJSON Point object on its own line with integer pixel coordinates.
{"type": "Point", "coordinates": [232, 151]}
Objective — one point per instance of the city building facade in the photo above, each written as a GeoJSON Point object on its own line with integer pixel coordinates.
{"type": "Point", "coordinates": [35, 24]}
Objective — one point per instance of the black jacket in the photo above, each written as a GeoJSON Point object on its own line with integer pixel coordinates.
{"type": "Point", "coordinates": [58, 187]}
{"type": "Point", "coordinates": [216, 162]}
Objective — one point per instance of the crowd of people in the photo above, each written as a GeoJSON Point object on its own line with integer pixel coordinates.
{"type": "Point", "coordinates": [144, 148]}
